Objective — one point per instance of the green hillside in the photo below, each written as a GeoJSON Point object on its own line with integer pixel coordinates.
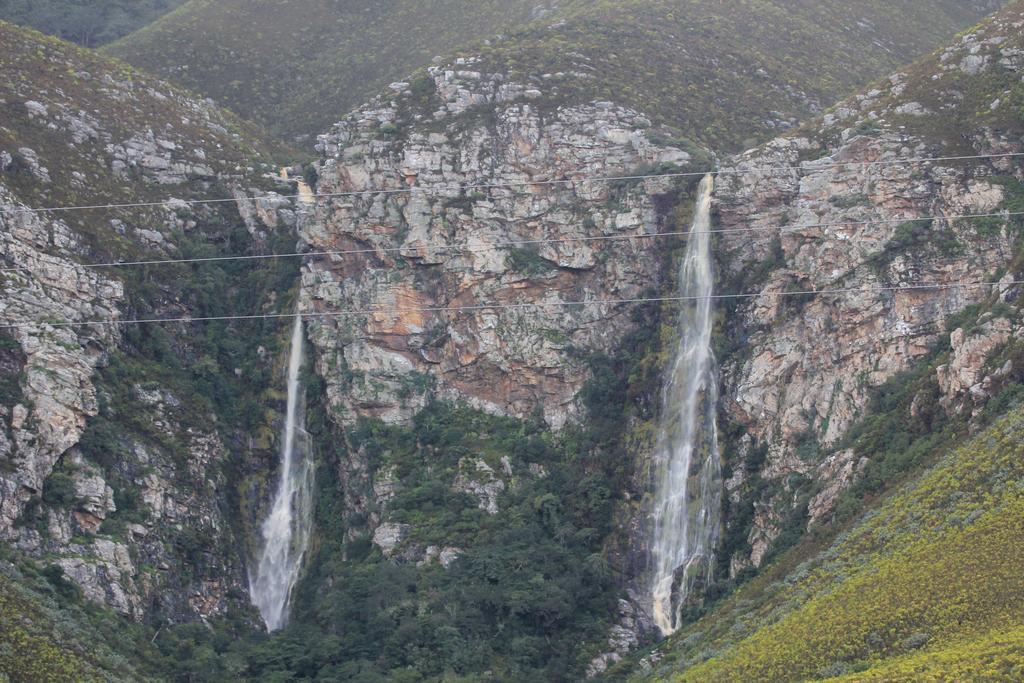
{"type": "Point", "coordinates": [298, 66]}
{"type": "Point", "coordinates": [84, 103]}
{"type": "Point", "coordinates": [927, 582]}
{"type": "Point", "coordinates": [86, 22]}
{"type": "Point", "coordinates": [48, 633]}
{"type": "Point", "coordinates": [946, 100]}
{"type": "Point", "coordinates": [723, 72]}
{"type": "Point", "coordinates": [727, 74]}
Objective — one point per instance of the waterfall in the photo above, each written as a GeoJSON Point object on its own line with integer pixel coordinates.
{"type": "Point", "coordinates": [305, 196]}
{"type": "Point", "coordinates": [687, 508]}
{"type": "Point", "coordinates": [286, 529]}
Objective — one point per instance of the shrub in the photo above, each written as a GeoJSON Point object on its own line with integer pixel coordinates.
{"type": "Point", "coordinates": [528, 261]}
{"type": "Point", "coordinates": [59, 489]}
{"type": "Point", "coordinates": [915, 641]}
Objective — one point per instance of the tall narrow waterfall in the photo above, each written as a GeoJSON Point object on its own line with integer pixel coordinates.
{"type": "Point", "coordinates": [286, 528]}
{"type": "Point", "coordinates": [688, 470]}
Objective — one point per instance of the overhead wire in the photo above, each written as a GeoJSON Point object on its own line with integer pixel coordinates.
{"type": "Point", "coordinates": [518, 306]}
{"type": "Point", "coordinates": [441, 187]}
{"type": "Point", "coordinates": [425, 250]}
{"type": "Point", "coordinates": [470, 248]}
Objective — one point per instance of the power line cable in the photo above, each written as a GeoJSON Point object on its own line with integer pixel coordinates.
{"type": "Point", "coordinates": [470, 248]}
{"type": "Point", "coordinates": [526, 183]}
{"type": "Point", "coordinates": [522, 306]}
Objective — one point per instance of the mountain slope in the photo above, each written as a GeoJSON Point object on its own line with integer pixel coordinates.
{"type": "Point", "coordinates": [927, 580]}
{"type": "Point", "coordinates": [873, 481]}
{"type": "Point", "coordinates": [721, 72]}
{"type": "Point", "coordinates": [726, 74]}
{"type": "Point", "coordinates": [483, 384]}
{"type": "Point", "coordinates": [88, 22]}
{"type": "Point", "coordinates": [298, 66]}
{"type": "Point", "coordinates": [126, 450]}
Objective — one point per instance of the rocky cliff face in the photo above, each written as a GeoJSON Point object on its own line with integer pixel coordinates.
{"type": "Point", "coordinates": [479, 202]}
{"type": "Point", "coordinates": [107, 468]}
{"type": "Point", "coordinates": [56, 502]}
{"type": "Point", "coordinates": [809, 364]}
{"type": "Point", "coordinates": [457, 193]}
{"type": "Point", "coordinates": [446, 194]}
{"type": "Point", "coordinates": [52, 367]}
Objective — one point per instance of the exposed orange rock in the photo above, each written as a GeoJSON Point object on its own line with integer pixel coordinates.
{"type": "Point", "coordinates": [398, 314]}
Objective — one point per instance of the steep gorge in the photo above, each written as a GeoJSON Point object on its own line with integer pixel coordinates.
{"type": "Point", "coordinates": [486, 375]}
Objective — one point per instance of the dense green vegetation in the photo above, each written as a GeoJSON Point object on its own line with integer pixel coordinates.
{"type": "Point", "coordinates": [715, 70]}
{"type": "Point", "coordinates": [529, 598]}
{"type": "Point", "coordinates": [298, 66]}
{"type": "Point", "coordinates": [48, 632]}
{"type": "Point", "coordinates": [529, 587]}
{"type": "Point", "coordinates": [873, 595]}
{"type": "Point", "coordinates": [995, 656]}
{"type": "Point", "coordinates": [86, 22]}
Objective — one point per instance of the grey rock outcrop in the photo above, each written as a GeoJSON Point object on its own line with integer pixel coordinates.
{"type": "Point", "coordinates": [144, 531]}
{"type": "Point", "coordinates": [479, 480]}
{"type": "Point", "coordinates": [841, 223]}
{"type": "Point", "coordinates": [59, 358]}
{"type": "Point", "coordinates": [389, 536]}
{"type": "Point", "coordinates": [417, 231]}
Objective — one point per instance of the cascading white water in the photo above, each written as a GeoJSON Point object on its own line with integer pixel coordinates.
{"type": "Point", "coordinates": [687, 510]}
{"type": "Point", "coordinates": [286, 528]}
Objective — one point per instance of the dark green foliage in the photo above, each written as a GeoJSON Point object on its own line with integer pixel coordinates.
{"type": "Point", "coordinates": [528, 261]}
{"type": "Point", "coordinates": [528, 589]}
{"type": "Point", "coordinates": [739, 515]}
{"type": "Point", "coordinates": [793, 528]}
{"type": "Point", "coordinates": [309, 174]}
{"type": "Point", "coordinates": [86, 22]}
{"type": "Point", "coordinates": [868, 128]}
{"type": "Point", "coordinates": [19, 167]}
{"type": "Point", "coordinates": [849, 201]}
{"type": "Point", "coordinates": [531, 585]}
{"type": "Point", "coordinates": [894, 443]}
{"type": "Point", "coordinates": [59, 489]}
{"type": "Point", "coordinates": [12, 362]}
{"type": "Point", "coordinates": [1013, 203]}
{"type": "Point", "coordinates": [798, 293]}
{"type": "Point", "coordinates": [55, 575]}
